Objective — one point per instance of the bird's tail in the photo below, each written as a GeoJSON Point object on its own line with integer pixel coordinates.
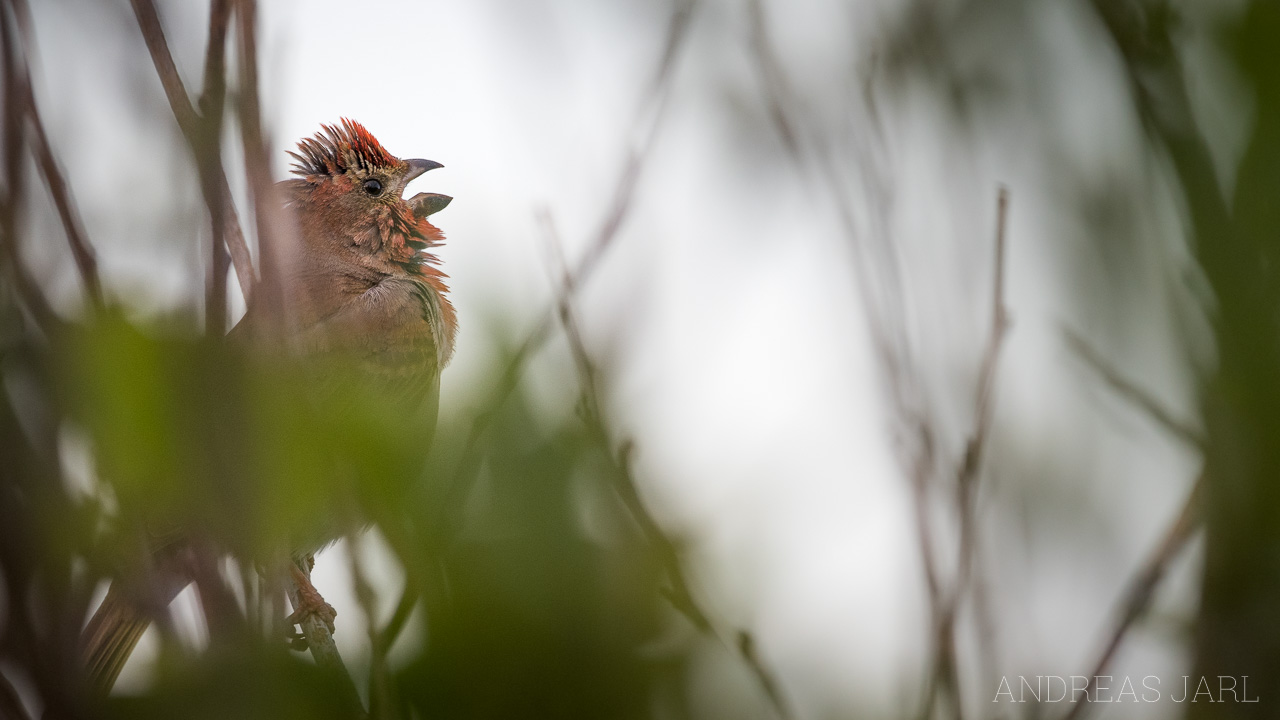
{"type": "Point", "coordinates": [109, 638]}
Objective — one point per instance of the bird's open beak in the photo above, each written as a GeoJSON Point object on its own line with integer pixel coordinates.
{"type": "Point", "coordinates": [417, 166]}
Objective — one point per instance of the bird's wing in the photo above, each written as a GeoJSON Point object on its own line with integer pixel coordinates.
{"type": "Point", "coordinates": [390, 337]}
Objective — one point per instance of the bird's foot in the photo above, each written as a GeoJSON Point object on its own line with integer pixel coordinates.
{"type": "Point", "coordinates": [310, 603]}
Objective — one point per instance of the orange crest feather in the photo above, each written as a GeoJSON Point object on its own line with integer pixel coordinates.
{"type": "Point", "coordinates": [339, 148]}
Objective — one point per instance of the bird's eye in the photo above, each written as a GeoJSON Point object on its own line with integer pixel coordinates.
{"type": "Point", "coordinates": [373, 187]}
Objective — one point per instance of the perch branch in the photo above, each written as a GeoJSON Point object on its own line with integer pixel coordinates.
{"type": "Point", "coordinates": [320, 640]}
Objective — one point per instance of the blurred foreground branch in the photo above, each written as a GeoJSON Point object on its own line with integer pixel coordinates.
{"type": "Point", "coordinates": [1142, 585]}
{"type": "Point", "coordinates": [946, 677]}
{"type": "Point", "coordinates": [1129, 390]}
{"type": "Point", "coordinates": [624, 482]}
{"type": "Point", "coordinates": [204, 138]}
{"type": "Point", "coordinates": [878, 280]}
{"type": "Point", "coordinates": [21, 109]}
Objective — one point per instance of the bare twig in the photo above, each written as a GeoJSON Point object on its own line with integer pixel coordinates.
{"type": "Point", "coordinates": [1129, 390]}
{"type": "Point", "coordinates": [747, 649]}
{"type": "Point", "coordinates": [647, 124]}
{"type": "Point", "coordinates": [624, 484]}
{"type": "Point", "coordinates": [269, 219]}
{"type": "Point", "coordinates": [947, 662]}
{"type": "Point", "coordinates": [81, 251]}
{"type": "Point", "coordinates": [214, 94]}
{"type": "Point", "coordinates": [85, 258]}
{"type": "Point", "coordinates": [15, 180]}
{"type": "Point", "coordinates": [203, 136]}
{"type": "Point", "coordinates": [1142, 585]}
{"type": "Point", "coordinates": [1141, 589]}
{"type": "Point", "coordinates": [382, 702]}
{"type": "Point", "coordinates": [879, 285]}
{"type": "Point", "coordinates": [210, 146]}
{"type": "Point", "coordinates": [153, 34]}
{"type": "Point", "coordinates": [408, 601]}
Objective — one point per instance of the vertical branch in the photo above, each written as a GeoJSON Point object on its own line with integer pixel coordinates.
{"type": "Point", "coordinates": [212, 104]}
{"type": "Point", "coordinates": [878, 280]}
{"type": "Point", "coordinates": [947, 660]}
{"type": "Point", "coordinates": [23, 97]}
{"type": "Point", "coordinates": [382, 701]}
{"type": "Point", "coordinates": [268, 220]}
{"type": "Point", "coordinates": [646, 124]}
{"type": "Point", "coordinates": [209, 146]}
{"type": "Point", "coordinates": [15, 91]}
{"type": "Point", "coordinates": [203, 136]}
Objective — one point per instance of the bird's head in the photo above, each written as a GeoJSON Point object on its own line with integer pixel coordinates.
{"type": "Point", "coordinates": [349, 191]}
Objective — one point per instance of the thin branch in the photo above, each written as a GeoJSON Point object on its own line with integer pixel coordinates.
{"type": "Point", "coordinates": [1138, 596]}
{"type": "Point", "coordinates": [382, 702]}
{"type": "Point", "coordinates": [213, 97]}
{"type": "Point", "coordinates": [879, 285]}
{"type": "Point", "coordinates": [1130, 391]}
{"type": "Point", "coordinates": [747, 649]}
{"type": "Point", "coordinates": [269, 219]}
{"type": "Point", "coordinates": [153, 34]}
{"type": "Point", "coordinates": [408, 601]}
{"type": "Point", "coordinates": [81, 251]}
{"type": "Point", "coordinates": [624, 484]}
{"type": "Point", "coordinates": [646, 124]}
{"type": "Point", "coordinates": [203, 137]}
{"type": "Point", "coordinates": [210, 148]}
{"type": "Point", "coordinates": [1141, 590]}
{"type": "Point", "coordinates": [85, 258]}
{"type": "Point", "coordinates": [15, 180]}
{"type": "Point", "coordinates": [947, 662]}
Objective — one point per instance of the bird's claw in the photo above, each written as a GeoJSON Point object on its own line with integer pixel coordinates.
{"type": "Point", "coordinates": [310, 603]}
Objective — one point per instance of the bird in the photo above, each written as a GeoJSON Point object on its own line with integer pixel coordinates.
{"type": "Point", "coordinates": [358, 284]}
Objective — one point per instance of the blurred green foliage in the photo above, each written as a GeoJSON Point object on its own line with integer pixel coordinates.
{"type": "Point", "coordinates": [539, 590]}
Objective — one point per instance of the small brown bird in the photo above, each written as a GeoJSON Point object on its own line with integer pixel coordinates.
{"type": "Point", "coordinates": [358, 284]}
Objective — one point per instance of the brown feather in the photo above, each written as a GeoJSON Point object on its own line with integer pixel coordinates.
{"type": "Point", "coordinates": [360, 286]}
